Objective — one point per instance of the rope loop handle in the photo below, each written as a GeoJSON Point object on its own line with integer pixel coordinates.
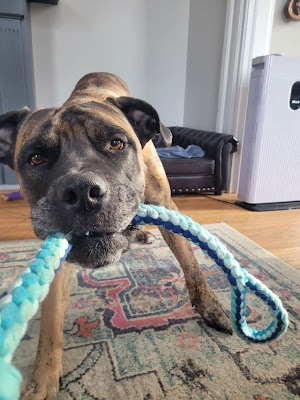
{"type": "Point", "coordinates": [239, 279]}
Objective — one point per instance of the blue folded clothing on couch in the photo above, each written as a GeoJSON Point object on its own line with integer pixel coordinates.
{"type": "Point", "coordinates": [192, 151]}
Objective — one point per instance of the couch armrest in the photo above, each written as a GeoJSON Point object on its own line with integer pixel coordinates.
{"type": "Point", "coordinates": [210, 142]}
{"type": "Point", "coordinates": [218, 146]}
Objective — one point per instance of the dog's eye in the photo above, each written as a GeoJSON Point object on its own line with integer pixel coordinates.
{"type": "Point", "coordinates": [116, 144]}
{"type": "Point", "coordinates": [36, 159]}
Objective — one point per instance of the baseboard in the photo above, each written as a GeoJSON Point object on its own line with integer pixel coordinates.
{"type": "Point", "coordinates": [9, 187]}
{"type": "Point", "coordinates": [286, 205]}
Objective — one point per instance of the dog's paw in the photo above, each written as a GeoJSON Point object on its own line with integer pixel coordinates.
{"type": "Point", "coordinates": [214, 313]}
{"type": "Point", "coordinates": [42, 386]}
{"type": "Point", "coordinates": [145, 236]}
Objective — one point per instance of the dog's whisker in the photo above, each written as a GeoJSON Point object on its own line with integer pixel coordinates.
{"type": "Point", "coordinates": [9, 230]}
{"type": "Point", "coordinates": [8, 210]}
{"type": "Point", "coordinates": [13, 217]}
{"type": "Point", "coordinates": [68, 236]}
{"type": "Point", "coordinates": [89, 255]}
{"type": "Point", "coordinates": [22, 238]}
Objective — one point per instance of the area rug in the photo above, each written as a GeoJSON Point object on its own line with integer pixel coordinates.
{"type": "Point", "coordinates": [131, 334]}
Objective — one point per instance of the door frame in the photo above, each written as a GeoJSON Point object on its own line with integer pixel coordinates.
{"type": "Point", "coordinates": [248, 30]}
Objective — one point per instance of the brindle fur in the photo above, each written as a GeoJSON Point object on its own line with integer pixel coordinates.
{"type": "Point", "coordinates": [96, 89]}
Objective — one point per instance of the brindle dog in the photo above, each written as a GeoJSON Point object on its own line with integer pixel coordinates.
{"type": "Point", "coordinates": [84, 168]}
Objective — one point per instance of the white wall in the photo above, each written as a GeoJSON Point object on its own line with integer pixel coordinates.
{"type": "Point", "coordinates": [142, 41]}
{"type": "Point", "coordinates": [205, 49]}
{"type": "Point", "coordinates": [285, 33]}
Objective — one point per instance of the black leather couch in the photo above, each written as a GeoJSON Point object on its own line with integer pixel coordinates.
{"type": "Point", "coordinates": [207, 174]}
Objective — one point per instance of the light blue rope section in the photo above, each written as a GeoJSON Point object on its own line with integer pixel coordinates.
{"type": "Point", "coordinates": [20, 303]}
{"type": "Point", "coordinates": [21, 300]}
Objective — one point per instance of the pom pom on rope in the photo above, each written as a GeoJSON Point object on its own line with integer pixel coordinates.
{"type": "Point", "coordinates": [10, 381]}
{"type": "Point", "coordinates": [21, 300]}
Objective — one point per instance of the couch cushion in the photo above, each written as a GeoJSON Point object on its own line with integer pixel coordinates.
{"type": "Point", "coordinates": [191, 166]}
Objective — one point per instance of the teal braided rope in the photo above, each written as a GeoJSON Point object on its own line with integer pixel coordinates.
{"type": "Point", "coordinates": [239, 279]}
{"type": "Point", "coordinates": [21, 300]}
{"type": "Point", "coordinates": [20, 303]}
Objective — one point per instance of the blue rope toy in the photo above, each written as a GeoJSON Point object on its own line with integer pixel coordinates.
{"type": "Point", "coordinates": [21, 300]}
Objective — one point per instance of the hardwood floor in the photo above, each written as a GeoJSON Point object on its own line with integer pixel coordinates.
{"type": "Point", "coordinates": [276, 231]}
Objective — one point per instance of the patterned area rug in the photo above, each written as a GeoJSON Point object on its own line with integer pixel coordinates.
{"type": "Point", "coordinates": [130, 332]}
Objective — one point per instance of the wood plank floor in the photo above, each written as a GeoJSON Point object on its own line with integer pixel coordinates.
{"type": "Point", "coordinates": [276, 231]}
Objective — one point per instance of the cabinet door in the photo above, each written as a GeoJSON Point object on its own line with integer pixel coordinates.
{"type": "Point", "coordinates": [13, 94]}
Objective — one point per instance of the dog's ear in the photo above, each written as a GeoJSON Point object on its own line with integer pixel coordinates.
{"type": "Point", "coordinates": [10, 123]}
{"type": "Point", "coordinates": [143, 118]}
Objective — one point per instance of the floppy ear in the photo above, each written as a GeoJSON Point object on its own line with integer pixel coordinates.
{"type": "Point", "coordinates": [143, 118]}
{"type": "Point", "coordinates": [10, 123]}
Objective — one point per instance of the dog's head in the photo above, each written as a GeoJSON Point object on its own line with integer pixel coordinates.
{"type": "Point", "coordinates": [81, 169]}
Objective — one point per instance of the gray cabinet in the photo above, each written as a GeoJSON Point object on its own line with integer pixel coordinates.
{"type": "Point", "coordinates": [16, 71]}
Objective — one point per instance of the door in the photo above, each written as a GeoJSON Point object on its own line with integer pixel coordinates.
{"type": "Point", "coordinates": [16, 82]}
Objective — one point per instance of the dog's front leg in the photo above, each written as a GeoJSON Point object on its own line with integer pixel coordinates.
{"type": "Point", "coordinates": [201, 295]}
{"type": "Point", "coordinates": [157, 191]}
{"type": "Point", "coordinates": [44, 383]}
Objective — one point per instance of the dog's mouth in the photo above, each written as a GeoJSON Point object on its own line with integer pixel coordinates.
{"type": "Point", "coordinates": [76, 235]}
{"type": "Point", "coordinates": [95, 249]}
{"type": "Point", "coordinates": [91, 234]}
{"type": "Point", "coordinates": [98, 237]}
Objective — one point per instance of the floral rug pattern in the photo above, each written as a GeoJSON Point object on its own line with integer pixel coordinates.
{"type": "Point", "coordinates": [130, 332]}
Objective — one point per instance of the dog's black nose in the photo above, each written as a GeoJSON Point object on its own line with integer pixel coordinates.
{"type": "Point", "coordinates": [81, 191]}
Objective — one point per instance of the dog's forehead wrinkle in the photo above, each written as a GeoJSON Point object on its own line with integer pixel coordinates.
{"type": "Point", "coordinates": [47, 135]}
{"type": "Point", "coordinates": [99, 121]}
{"type": "Point", "coordinates": [75, 124]}
{"type": "Point", "coordinates": [91, 111]}
{"type": "Point", "coordinates": [34, 130]}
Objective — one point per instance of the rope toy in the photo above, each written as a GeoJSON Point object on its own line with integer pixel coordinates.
{"type": "Point", "coordinates": [21, 300]}
{"type": "Point", "coordinates": [20, 303]}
